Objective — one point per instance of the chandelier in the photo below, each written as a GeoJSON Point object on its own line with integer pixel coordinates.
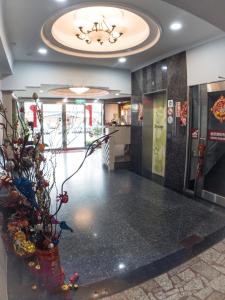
{"type": "Point", "coordinates": [79, 90]}
{"type": "Point", "coordinates": [100, 32]}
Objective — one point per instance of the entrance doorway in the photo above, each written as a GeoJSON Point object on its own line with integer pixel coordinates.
{"type": "Point", "coordinates": [206, 162]}
{"type": "Point", "coordinates": [67, 125]}
{"type": "Point", "coordinates": [154, 135]}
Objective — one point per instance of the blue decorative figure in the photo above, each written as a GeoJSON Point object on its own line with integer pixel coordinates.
{"type": "Point", "coordinates": [24, 185]}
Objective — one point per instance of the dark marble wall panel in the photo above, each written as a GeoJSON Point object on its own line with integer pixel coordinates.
{"type": "Point", "coordinates": [136, 128]}
{"type": "Point", "coordinates": [171, 75]}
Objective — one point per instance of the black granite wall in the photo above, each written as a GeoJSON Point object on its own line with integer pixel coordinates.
{"type": "Point", "coordinates": [151, 79]}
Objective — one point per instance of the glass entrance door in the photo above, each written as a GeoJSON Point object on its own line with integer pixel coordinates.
{"type": "Point", "coordinates": [52, 125]}
{"type": "Point", "coordinates": [206, 168]}
{"type": "Point", "coordinates": [67, 125]}
{"type": "Point", "coordinates": [75, 126]}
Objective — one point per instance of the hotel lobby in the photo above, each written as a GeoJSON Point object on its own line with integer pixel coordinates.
{"type": "Point", "coordinates": [112, 154]}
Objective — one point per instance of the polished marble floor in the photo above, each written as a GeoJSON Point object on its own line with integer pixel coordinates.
{"type": "Point", "coordinates": [123, 222]}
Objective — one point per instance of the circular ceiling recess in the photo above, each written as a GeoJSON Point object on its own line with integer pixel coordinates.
{"type": "Point", "coordinates": [68, 92]}
{"type": "Point", "coordinates": [100, 31]}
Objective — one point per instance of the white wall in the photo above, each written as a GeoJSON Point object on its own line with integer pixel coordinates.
{"type": "Point", "coordinates": [4, 43]}
{"type": "Point", "coordinates": [34, 74]}
{"type": "Point", "coordinates": [205, 63]}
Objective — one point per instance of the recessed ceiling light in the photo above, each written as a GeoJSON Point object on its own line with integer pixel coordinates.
{"type": "Point", "coordinates": [60, 0]}
{"type": "Point", "coordinates": [164, 68]}
{"type": "Point", "coordinates": [122, 60]}
{"type": "Point", "coordinates": [79, 90]}
{"type": "Point", "coordinates": [117, 94]}
{"type": "Point", "coordinates": [122, 266]}
{"type": "Point", "coordinates": [41, 91]}
{"type": "Point", "coordinates": [65, 100]}
{"type": "Point", "coordinates": [42, 51]}
{"type": "Point", "coordinates": [176, 26]}
{"type": "Point", "coordinates": [96, 100]}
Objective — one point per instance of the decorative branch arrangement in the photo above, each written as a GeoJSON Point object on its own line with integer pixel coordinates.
{"type": "Point", "coordinates": [31, 229]}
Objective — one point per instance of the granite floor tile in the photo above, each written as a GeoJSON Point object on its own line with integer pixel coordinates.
{"type": "Point", "coordinates": [126, 227]}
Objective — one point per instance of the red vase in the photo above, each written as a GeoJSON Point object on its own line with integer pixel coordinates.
{"type": "Point", "coordinates": [50, 268]}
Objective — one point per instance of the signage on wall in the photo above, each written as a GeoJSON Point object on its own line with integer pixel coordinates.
{"type": "Point", "coordinates": [218, 109]}
{"type": "Point", "coordinates": [170, 111]}
{"type": "Point", "coordinates": [170, 120]}
{"type": "Point", "coordinates": [216, 135]}
{"type": "Point", "coordinates": [178, 109]}
{"type": "Point", "coordinates": [170, 104]}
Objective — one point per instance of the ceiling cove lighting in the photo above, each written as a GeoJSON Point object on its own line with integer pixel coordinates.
{"type": "Point", "coordinates": [176, 26]}
{"type": "Point", "coordinates": [122, 60]}
{"type": "Point", "coordinates": [100, 31]}
{"type": "Point", "coordinates": [79, 90]}
{"type": "Point", "coordinates": [42, 51]}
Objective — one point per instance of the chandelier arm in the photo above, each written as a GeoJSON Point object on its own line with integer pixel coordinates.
{"type": "Point", "coordinates": [82, 31]}
{"type": "Point", "coordinates": [112, 42]}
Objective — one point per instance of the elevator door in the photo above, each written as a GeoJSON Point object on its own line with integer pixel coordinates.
{"type": "Point", "coordinates": [154, 135]}
{"type": "Point", "coordinates": [159, 135]}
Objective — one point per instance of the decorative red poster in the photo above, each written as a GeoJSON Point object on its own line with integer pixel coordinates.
{"type": "Point", "coordinates": [218, 109]}
{"type": "Point", "coordinates": [33, 108]}
{"type": "Point", "coordinates": [183, 114]}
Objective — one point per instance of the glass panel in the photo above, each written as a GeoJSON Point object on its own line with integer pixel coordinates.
{"type": "Point", "coordinates": [75, 126]}
{"type": "Point", "coordinates": [52, 125]}
{"type": "Point", "coordinates": [94, 126]}
{"type": "Point", "coordinates": [194, 136]}
{"type": "Point", "coordinates": [215, 154]}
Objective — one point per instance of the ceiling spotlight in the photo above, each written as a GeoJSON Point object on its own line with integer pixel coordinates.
{"type": "Point", "coordinates": [96, 100]}
{"type": "Point", "coordinates": [60, 0]}
{"type": "Point", "coordinates": [121, 266]}
{"type": "Point", "coordinates": [79, 90]}
{"type": "Point", "coordinates": [65, 100]}
{"type": "Point", "coordinates": [42, 51]}
{"type": "Point", "coordinates": [122, 60]}
{"type": "Point", "coordinates": [117, 94]}
{"type": "Point", "coordinates": [41, 91]}
{"type": "Point", "coordinates": [164, 68]}
{"type": "Point", "coordinates": [176, 26]}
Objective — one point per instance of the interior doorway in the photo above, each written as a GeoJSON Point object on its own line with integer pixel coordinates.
{"type": "Point", "coordinates": [206, 160]}
{"type": "Point", "coordinates": [154, 135]}
{"type": "Point", "coordinates": [67, 125]}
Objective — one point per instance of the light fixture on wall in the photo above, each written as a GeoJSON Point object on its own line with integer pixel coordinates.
{"type": "Point", "coordinates": [99, 25]}
{"type": "Point", "coordinates": [79, 90]}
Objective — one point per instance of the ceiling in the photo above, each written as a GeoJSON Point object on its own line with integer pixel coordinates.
{"type": "Point", "coordinates": [209, 10]}
{"type": "Point", "coordinates": [24, 20]}
{"type": "Point", "coordinates": [44, 92]}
